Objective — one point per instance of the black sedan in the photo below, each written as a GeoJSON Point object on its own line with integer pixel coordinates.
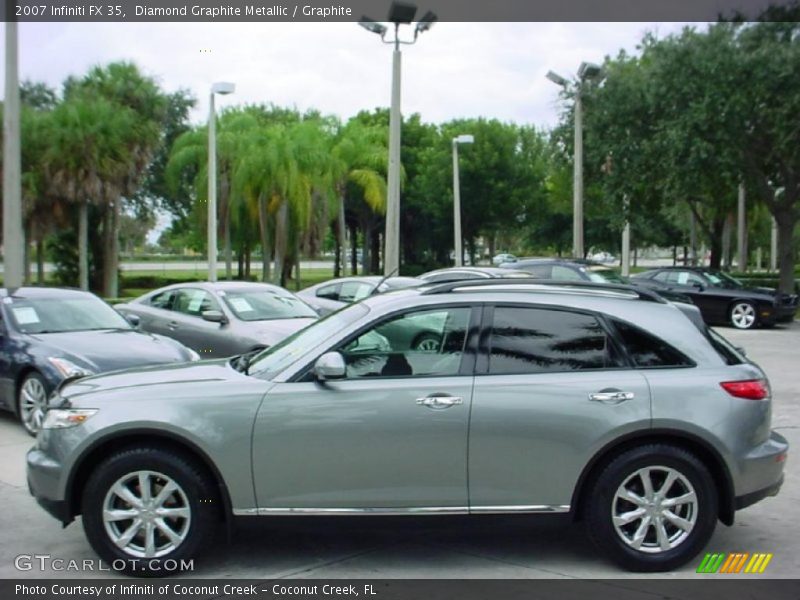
{"type": "Point", "coordinates": [723, 299]}
{"type": "Point", "coordinates": [51, 334]}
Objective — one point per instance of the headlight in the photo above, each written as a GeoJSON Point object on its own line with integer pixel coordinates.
{"type": "Point", "coordinates": [63, 418]}
{"type": "Point", "coordinates": [193, 356]}
{"type": "Point", "coordinates": [68, 368]}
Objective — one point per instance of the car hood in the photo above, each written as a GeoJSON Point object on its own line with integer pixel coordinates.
{"type": "Point", "coordinates": [99, 386]}
{"type": "Point", "coordinates": [113, 349]}
{"type": "Point", "coordinates": [272, 331]}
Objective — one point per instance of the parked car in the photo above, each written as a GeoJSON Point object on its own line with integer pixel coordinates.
{"type": "Point", "coordinates": [467, 273]}
{"type": "Point", "coordinates": [48, 335]}
{"type": "Point", "coordinates": [603, 403]}
{"type": "Point", "coordinates": [223, 318]}
{"type": "Point", "coordinates": [723, 299]}
{"type": "Point", "coordinates": [499, 259]}
{"type": "Point", "coordinates": [604, 257]}
{"type": "Point", "coordinates": [332, 295]}
{"type": "Point", "coordinates": [576, 269]}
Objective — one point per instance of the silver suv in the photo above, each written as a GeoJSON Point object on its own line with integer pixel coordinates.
{"type": "Point", "coordinates": [603, 402]}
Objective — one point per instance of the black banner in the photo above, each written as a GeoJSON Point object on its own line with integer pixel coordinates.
{"type": "Point", "coordinates": [383, 589]}
{"type": "Point", "coordinates": [353, 10]}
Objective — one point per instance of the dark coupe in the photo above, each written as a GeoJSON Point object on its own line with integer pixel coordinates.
{"type": "Point", "coordinates": [51, 334]}
{"type": "Point", "coordinates": [723, 299]}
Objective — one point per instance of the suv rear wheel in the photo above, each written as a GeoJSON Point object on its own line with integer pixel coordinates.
{"type": "Point", "coordinates": [653, 508]}
{"type": "Point", "coordinates": [147, 507]}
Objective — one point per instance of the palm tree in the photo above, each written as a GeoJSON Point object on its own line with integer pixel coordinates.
{"type": "Point", "coordinates": [360, 158]}
{"type": "Point", "coordinates": [86, 151]}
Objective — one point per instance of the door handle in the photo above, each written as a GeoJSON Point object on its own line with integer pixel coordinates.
{"type": "Point", "coordinates": [439, 402]}
{"type": "Point", "coordinates": [611, 397]}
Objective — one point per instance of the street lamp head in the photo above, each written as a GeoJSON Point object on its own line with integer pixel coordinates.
{"type": "Point", "coordinates": [589, 70]}
{"type": "Point", "coordinates": [464, 138]}
{"type": "Point", "coordinates": [402, 12]}
{"type": "Point", "coordinates": [372, 26]}
{"type": "Point", "coordinates": [223, 87]}
{"type": "Point", "coordinates": [557, 79]}
{"type": "Point", "coordinates": [426, 22]}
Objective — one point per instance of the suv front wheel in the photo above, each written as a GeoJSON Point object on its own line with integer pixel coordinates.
{"type": "Point", "coordinates": [146, 509]}
{"type": "Point", "coordinates": [653, 508]}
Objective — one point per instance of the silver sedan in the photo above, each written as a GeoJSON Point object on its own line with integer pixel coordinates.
{"type": "Point", "coordinates": [221, 319]}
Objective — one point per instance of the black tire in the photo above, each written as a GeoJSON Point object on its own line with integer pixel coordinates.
{"type": "Point", "coordinates": [601, 505]}
{"type": "Point", "coordinates": [35, 380]}
{"type": "Point", "coordinates": [743, 314]}
{"type": "Point", "coordinates": [427, 338]}
{"type": "Point", "coordinates": [199, 496]}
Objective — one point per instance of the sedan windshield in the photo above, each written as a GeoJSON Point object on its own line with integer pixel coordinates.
{"type": "Point", "coordinates": [57, 315]}
{"type": "Point", "coordinates": [266, 305]}
{"type": "Point", "coordinates": [275, 359]}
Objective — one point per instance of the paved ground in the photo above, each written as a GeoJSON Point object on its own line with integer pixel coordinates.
{"type": "Point", "coordinates": [453, 547]}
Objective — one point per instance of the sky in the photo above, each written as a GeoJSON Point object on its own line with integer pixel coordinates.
{"type": "Point", "coordinates": [456, 70]}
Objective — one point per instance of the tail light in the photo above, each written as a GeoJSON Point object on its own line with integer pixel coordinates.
{"type": "Point", "coordinates": [751, 389]}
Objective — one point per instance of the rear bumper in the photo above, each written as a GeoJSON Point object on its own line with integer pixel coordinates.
{"type": "Point", "coordinates": [761, 471]}
{"type": "Point", "coordinates": [741, 502]}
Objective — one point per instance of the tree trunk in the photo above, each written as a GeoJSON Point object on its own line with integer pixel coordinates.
{"type": "Point", "coordinates": [375, 255]}
{"type": "Point", "coordinates": [27, 252]}
{"type": "Point", "coordinates": [786, 223]}
{"type": "Point", "coordinates": [353, 250]}
{"type": "Point", "coordinates": [337, 251]}
{"type": "Point", "coordinates": [111, 245]}
{"type": "Point", "coordinates": [297, 262]}
{"type": "Point", "coordinates": [240, 263]}
{"type": "Point", "coordinates": [727, 234]}
{"type": "Point", "coordinates": [226, 242]}
{"type": "Point", "coordinates": [247, 259]}
{"type": "Point", "coordinates": [83, 245]}
{"type": "Point", "coordinates": [341, 226]}
{"type": "Point", "coordinates": [263, 228]}
{"type": "Point", "coordinates": [281, 242]}
{"type": "Point", "coordinates": [366, 261]}
{"type": "Point", "coordinates": [40, 261]}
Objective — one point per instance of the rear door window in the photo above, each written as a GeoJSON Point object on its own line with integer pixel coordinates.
{"type": "Point", "coordinates": [647, 350]}
{"type": "Point", "coordinates": [536, 340]}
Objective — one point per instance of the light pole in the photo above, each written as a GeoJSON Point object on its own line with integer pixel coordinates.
{"type": "Point", "coordinates": [13, 241]}
{"type": "Point", "coordinates": [222, 88]}
{"type": "Point", "coordinates": [587, 71]}
{"type": "Point", "coordinates": [458, 252]}
{"type": "Point", "coordinates": [399, 13]}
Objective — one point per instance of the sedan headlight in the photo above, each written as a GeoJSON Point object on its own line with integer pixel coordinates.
{"type": "Point", "coordinates": [67, 368]}
{"type": "Point", "coordinates": [63, 418]}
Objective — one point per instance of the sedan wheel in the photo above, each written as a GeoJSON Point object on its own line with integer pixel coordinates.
{"type": "Point", "coordinates": [32, 403]}
{"type": "Point", "coordinates": [427, 342]}
{"type": "Point", "coordinates": [743, 315]}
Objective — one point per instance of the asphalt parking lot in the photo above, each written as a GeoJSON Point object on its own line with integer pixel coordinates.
{"type": "Point", "coordinates": [428, 547]}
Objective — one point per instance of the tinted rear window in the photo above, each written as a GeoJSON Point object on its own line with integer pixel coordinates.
{"type": "Point", "coordinates": [533, 340]}
{"type": "Point", "coordinates": [647, 350]}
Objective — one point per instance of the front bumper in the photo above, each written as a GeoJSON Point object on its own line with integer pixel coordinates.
{"type": "Point", "coordinates": [43, 483]}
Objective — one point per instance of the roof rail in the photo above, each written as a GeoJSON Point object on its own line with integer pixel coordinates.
{"type": "Point", "coordinates": [531, 284]}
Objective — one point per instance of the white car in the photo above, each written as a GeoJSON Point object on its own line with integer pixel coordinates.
{"type": "Point", "coordinates": [499, 259]}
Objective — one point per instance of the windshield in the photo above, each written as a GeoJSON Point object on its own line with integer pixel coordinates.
{"type": "Point", "coordinates": [604, 275]}
{"type": "Point", "coordinates": [723, 280]}
{"type": "Point", "coordinates": [275, 359]}
{"type": "Point", "coordinates": [58, 315]}
{"type": "Point", "coordinates": [263, 305]}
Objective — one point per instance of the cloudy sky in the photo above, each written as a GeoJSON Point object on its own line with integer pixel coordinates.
{"type": "Point", "coordinates": [455, 70]}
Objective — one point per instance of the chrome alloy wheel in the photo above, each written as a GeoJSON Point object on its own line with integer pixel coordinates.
{"type": "Point", "coordinates": [146, 514]}
{"type": "Point", "coordinates": [32, 404]}
{"type": "Point", "coordinates": [743, 315]}
{"type": "Point", "coordinates": [655, 509]}
{"type": "Point", "coordinates": [428, 344]}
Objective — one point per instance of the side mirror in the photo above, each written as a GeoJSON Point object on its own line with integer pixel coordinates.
{"type": "Point", "coordinates": [741, 350]}
{"type": "Point", "coordinates": [215, 316]}
{"type": "Point", "coordinates": [133, 319]}
{"type": "Point", "coordinates": [330, 366]}
{"type": "Point", "coordinates": [698, 286]}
